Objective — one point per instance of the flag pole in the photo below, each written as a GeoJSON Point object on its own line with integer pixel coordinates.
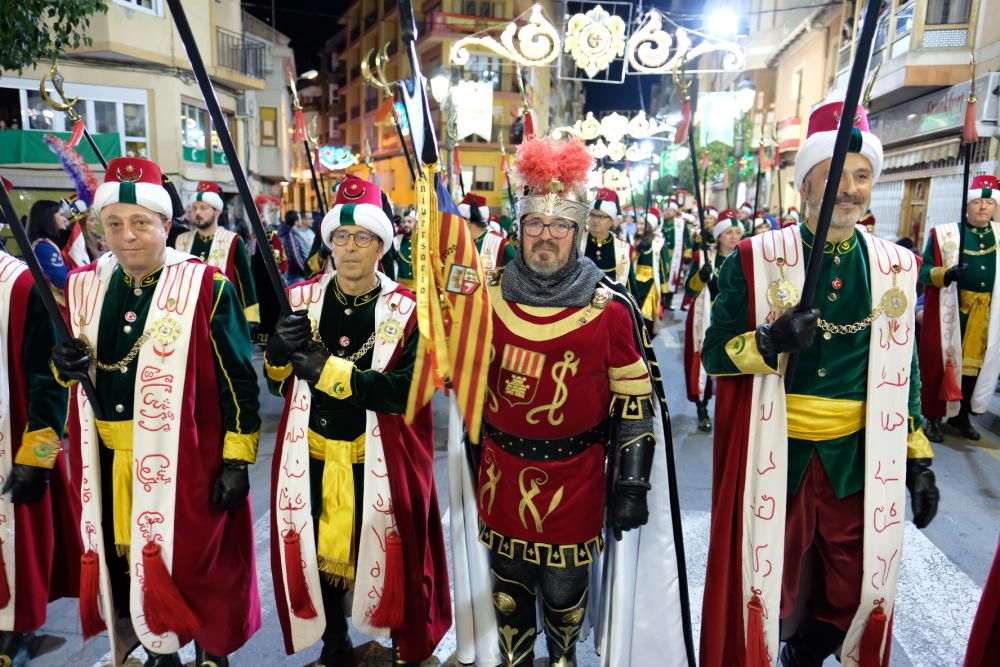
{"type": "Point", "coordinates": [970, 136]}
{"type": "Point", "coordinates": [44, 293]}
{"type": "Point", "coordinates": [862, 55]}
{"type": "Point", "coordinates": [229, 148]}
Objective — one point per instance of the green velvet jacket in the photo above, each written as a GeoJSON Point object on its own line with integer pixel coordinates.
{"type": "Point", "coordinates": [694, 285]}
{"type": "Point", "coordinates": [981, 269]}
{"type": "Point", "coordinates": [346, 324]}
{"type": "Point", "coordinates": [603, 255]}
{"type": "Point", "coordinates": [403, 258]}
{"type": "Point", "coordinates": [234, 370]}
{"type": "Point", "coordinates": [835, 366]}
{"type": "Point", "coordinates": [244, 283]}
{"type": "Point", "coordinates": [48, 402]}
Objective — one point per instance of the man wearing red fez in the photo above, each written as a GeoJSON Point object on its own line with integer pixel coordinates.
{"type": "Point", "coordinates": [354, 506]}
{"type": "Point", "coordinates": [38, 511]}
{"type": "Point", "coordinates": [960, 339]}
{"type": "Point", "coordinates": [161, 462]}
{"type": "Point", "coordinates": [221, 248]}
{"type": "Point", "coordinates": [494, 250]}
{"type": "Point", "coordinates": [610, 253]}
{"type": "Point", "coordinates": [824, 467]}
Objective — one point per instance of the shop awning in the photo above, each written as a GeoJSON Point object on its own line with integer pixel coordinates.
{"type": "Point", "coordinates": [929, 151]}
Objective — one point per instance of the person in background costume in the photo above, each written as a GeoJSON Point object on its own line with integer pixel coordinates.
{"type": "Point", "coordinates": [402, 243]}
{"type": "Point", "coordinates": [647, 245]}
{"type": "Point", "coordinates": [790, 218]}
{"type": "Point", "coordinates": [161, 469]}
{"type": "Point", "coordinates": [611, 254]}
{"type": "Point", "coordinates": [570, 350]}
{"type": "Point", "coordinates": [38, 511]}
{"type": "Point", "coordinates": [494, 250]}
{"type": "Point", "coordinates": [726, 232]}
{"type": "Point", "coordinates": [824, 468]}
{"type": "Point", "coordinates": [47, 232]}
{"type": "Point", "coordinates": [960, 338]}
{"type": "Point", "coordinates": [221, 248]}
{"type": "Point", "coordinates": [354, 505]}
{"type": "Point", "coordinates": [675, 243]}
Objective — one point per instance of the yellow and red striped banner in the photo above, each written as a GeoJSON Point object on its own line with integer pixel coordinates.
{"type": "Point", "coordinates": [453, 307]}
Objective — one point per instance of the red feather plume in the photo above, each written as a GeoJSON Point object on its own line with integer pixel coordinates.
{"type": "Point", "coordinates": [541, 161]}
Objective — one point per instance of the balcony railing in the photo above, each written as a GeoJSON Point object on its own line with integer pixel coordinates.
{"type": "Point", "coordinates": [440, 22]}
{"type": "Point", "coordinates": [246, 56]}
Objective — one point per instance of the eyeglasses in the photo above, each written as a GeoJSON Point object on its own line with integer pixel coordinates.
{"type": "Point", "coordinates": [557, 230]}
{"type": "Point", "coordinates": [361, 239]}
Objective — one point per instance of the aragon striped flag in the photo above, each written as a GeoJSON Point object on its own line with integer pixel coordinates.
{"type": "Point", "coordinates": [453, 306]}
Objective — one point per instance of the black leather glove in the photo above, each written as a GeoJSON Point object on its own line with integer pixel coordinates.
{"type": "Point", "coordinates": [628, 508]}
{"type": "Point", "coordinates": [924, 494]}
{"type": "Point", "coordinates": [954, 274]}
{"type": "Point", "coordinates": [72, 359]}
{"type": "Point", "coordinates": [291, 333]}
{"type": "Point", "coordinates": [253, 327]}
{"type": "Point", "coordinates": [705, 272]}
{"type": "Point", "coordinates": [231, 487]}
{"type": "Point", "coordinates": [308, 362]}
{"type": "Point", "coordinates": [794, 331]}
{"type": "Point", "coordinates": [26, 484]}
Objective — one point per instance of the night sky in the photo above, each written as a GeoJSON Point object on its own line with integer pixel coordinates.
{"type": "Point", "coordinates": [309, 27]}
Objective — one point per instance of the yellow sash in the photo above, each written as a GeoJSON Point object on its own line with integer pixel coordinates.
{"type": "Point", "coordinates": [976, 305]}
{"type": "Point", "coordinates": [816, 419]}
{"type": "Point", "coordinates": [643, 272]}
{"type": "Point", "coordinates": [118, 437]}
{"type": "Point", "coordinates": [335, 547]}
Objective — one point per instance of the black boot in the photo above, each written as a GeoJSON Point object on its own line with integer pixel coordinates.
{"type": "Point", "coordinates": [162, 660]}
{"type": "Point", "coordinates": [811, 644]}
{"type": "Point", "coordinates": [962, 424]}
{"type": "Point", "coordinates": [203, 658]}
{"type": "Point", "coordinates": [562, 631]}
{"type": "Point", "coordinates": [704, 420]}
{"type": "Point", "coordinates": [668, 301]}
{"type": "Point", "coordinates": [514, 606]}
{"type": "Point", "coordinates": [12, 643]}
{"type": "Point", "coordinates": [337, 651]}
{"type": "Point", "coordinates": [932, 429]}
{"type": "Point", "coordinates": [399, 662]}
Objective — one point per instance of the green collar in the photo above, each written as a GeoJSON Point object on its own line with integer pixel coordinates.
{"type": "Point", "coordinates": [829, 248]}
{"type": "Point", "coordinates": [146, 281]}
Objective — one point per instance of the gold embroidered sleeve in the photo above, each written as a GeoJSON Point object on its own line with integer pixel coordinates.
{"type": "Point", "coordinates": [742, 351]}
{"type": "Point", "coordinates": [39, 448]}
{"type": "Point", "coordinates": [937, 276]}
{"type": "Point", "coordinates": [335, 379]}
{"type": "Point", "coordinates": [631, 380]}
{"type": "Point", "coordinates": [918, 446]}
{"type": "Point", "coordinates": [240, 446]}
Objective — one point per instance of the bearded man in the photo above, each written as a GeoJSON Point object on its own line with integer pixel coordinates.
{"type": "Point", "coordinates": [822, 470]}
{"type": "Point", "coordinates": [220, 248]}
{"type": "Point", "coordinates": [568, 351]}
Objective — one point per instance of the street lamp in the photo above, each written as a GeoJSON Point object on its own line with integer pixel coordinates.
{"type": "Point", "coordinates": [440, 85]}
{"type": "Point", "coordinates": [745, 95]}
{"type": "Point", "coordinates": [309, 75]}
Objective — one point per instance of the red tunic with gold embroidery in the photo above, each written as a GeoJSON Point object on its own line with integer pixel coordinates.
{"type": "Point", "coordinates": [553, 374]}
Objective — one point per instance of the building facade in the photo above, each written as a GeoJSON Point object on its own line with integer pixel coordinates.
{"type": "Point", "coordinates": [138, 97]}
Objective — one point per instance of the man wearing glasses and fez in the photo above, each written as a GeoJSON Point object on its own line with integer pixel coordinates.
{"type": "Point", "coordinates": [354, 504]}
{"type": "Point", "coordinates": [569, 349]}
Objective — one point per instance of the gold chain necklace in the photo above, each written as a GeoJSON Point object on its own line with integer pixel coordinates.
{"type": "Point", "coordinates": [362, 351]}
{"type": "Point", "coordinates": [122, 365]}
{"type": "Point", "coordinates": [854, 328]}
{"type": "Point", "coordinates": [979, 253]}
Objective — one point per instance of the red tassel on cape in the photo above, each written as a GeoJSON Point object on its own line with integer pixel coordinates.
{"type": "Point", "coordinates": [164, 607]}
{"type": "Point", "coordinates": [529, 124]}
{"type": "Point", "coordinates": [950, 391]}
{"type": "Point", "coordinates": [4, 584]}
{"type": "Point", "coordinates": [78, 127]}
{"type": "Point", "coordinates": [681, 136]}
{"type": "Point", "coordinates": [870, 652]}
{"type": "Point", "coordinates": [299, 134]}
{"type": "Point", "coordinates": [90, 593]}
{"type": "Point", "coordinates": [969, 133]}
{"type": "Point", "coordinates": [298, 591]}
{"type": "Point", "coordinates": [390, 610]}
{"type": "Point", "coordinates": [756, 643]}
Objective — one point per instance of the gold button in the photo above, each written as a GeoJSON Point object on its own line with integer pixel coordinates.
{"type": "Point", "coordinates": [832, 296]}
{"type": "Point", "coordinates": [836, 259]}
{"type": "Point", "coordinates": [127, 329]}
{"type": "Point", "coordinates": [827, 335]}
{"type": "Point", "coordinates": [119, 408]}
{"type": "Point", "coordinates": [821, 372]}
{"type": "Point", "coordinates": [322, 422]}
{"type": "Point", "coordinates": [137, 291]}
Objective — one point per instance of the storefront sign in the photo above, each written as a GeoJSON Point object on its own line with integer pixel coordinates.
{"type": "Point", "coordinates": [938, 113]}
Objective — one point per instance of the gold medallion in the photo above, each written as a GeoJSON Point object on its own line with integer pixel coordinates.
{"type": "Point", "coordinates": [166, 330]}
{"type": "Point", "coordinates": [601, 298]}
{"type": "Point", "coordinates": [390, 331]}
{"type": "Point", "coordinates": [894, 302]}
{"type": "Point", "coordinates": [782, 294]}
{"type": "Point", "coordinates": [949, 247]}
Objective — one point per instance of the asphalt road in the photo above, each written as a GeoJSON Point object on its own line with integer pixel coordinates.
{"type": "Point", "coordinates": [944, 566]}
